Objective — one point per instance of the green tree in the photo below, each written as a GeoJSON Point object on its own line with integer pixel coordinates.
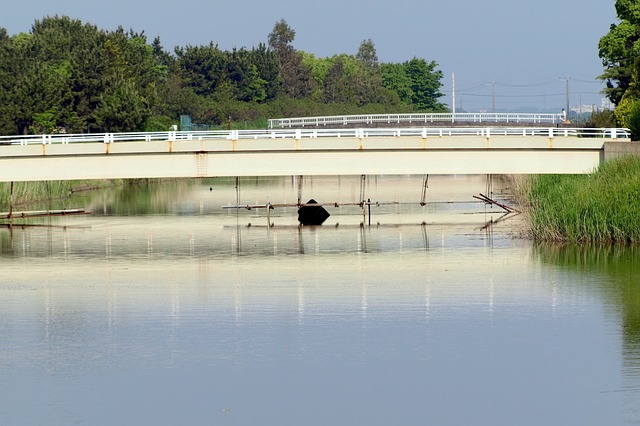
{"type": "Point", "coordinates": [623, 110]}
{"type": "Point", "coordinates": [335, 87]}
{"type": "Point", "coordinates": [122, 110]}
{"type": "Point", "coordinates": [71, 50]}
{"type": "Point", "coordinates": [281, 37]}
{"type": "Point", "coordinates": [296, 75]}
{"type": "Point", "coordinates": [633, 120]}
{"type": "Point", "coordinates": [416, 82]}
{"type": "Point", "coordinates": [202, 68]}
{"type": "Point", "coordinates": [371, 89]}
{"type": "Point", "coordinates": [179, 99]}
{"type": "Point", "coordinates": [7, 81]}
{"type": "Point", "coordinates": [66, 75]}
{"type": "Point", "coordinates": [425, 84]}
{"type": "Point", "coordinates": [244, 77]}
{"type": "Point", "coordinates": [266, 63]}
{"type": "Point", "coordinates": [161, 56]}
{"type": "Point", "coordinates": [396, 79]}
{"type": "Point", "coordinates": [619, 50]}
{"type": "Point", "coordinates": [368, 56]}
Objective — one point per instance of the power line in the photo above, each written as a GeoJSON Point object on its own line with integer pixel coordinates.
{"type": "Point", "coordinates": [588, 81]}
{"type": "Point", "coordinates": [544, 83]}
{"type": "Point", "coordinates": [513, 96]}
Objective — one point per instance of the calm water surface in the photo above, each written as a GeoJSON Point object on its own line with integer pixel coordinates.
{"type": "Point", "coordinates": [164, 308]}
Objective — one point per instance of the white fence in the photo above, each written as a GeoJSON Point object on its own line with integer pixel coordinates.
{"type": "Point", "coordinates": [344, 120]}
{"type": "Point", "coordinates": [424, 132]}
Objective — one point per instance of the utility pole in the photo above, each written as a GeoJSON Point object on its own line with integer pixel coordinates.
{"type": "Point", "coordinates": [580, 104]}
{"type": "Point", "coordinates": [566, 79]}
{"type": "Point", "coordinates": [493, 95]}
{"type": "Point", "coordinates": [453, 95]}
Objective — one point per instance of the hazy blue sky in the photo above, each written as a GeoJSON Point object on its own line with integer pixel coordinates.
{"type": "Point", "coordinates": [524, 46]}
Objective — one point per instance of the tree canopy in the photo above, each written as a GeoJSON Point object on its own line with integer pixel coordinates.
{"type": "Point", "coordinates": [68, 76]}
{"type": "Point", "coordinates": [619, 50]}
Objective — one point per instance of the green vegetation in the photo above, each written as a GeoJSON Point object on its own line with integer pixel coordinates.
{"type": "Point", "coordinates": [620, 53]}
{"type": "Point", "coordinates": [30, 193]}
{"type": "Point", "coordinates": [601, 207]}
{"type": "Point", "coordinates": [67, 76]}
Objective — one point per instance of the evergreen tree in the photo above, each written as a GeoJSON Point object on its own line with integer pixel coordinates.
{"type": "Point", "coordinates": [296, 76]}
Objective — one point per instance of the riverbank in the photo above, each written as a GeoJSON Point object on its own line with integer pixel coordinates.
{"type": "Point", "coordinates": [601, 207]}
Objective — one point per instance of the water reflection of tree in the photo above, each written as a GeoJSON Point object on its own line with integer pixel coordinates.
{"type": "Point", "coordinates": [5, 241]}
{"type": "Point", "coordinates": [138, 197]}
{"type": "Point", "coordinates": [619, 267]}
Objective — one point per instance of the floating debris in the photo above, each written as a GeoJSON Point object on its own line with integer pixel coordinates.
{"type": "Point", "coordinates": [311, 215]}
{"type": "Point", "coordinates": [41, 213]}
{"type": "Point", "coordinates": [488, 200]}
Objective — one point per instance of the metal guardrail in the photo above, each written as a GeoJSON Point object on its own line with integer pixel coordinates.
{"type": "Point", "coordinates": [424, 132]}
{"type": "Point", "coordinates": [344, 120]}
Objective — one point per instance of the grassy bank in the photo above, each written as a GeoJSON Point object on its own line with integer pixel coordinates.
{"type": "Point", "coordinates": [26, 193]}
{"type": "Point", "coordinates": [601, 207]}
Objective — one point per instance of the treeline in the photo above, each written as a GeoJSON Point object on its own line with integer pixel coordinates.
{"type": "Point", "coordinates": [69, 76]}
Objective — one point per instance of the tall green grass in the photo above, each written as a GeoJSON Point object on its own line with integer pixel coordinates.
{"type": "Point", "coordinates": [30, 193]}
{"type": "Point", "coordinates": [601, 207]}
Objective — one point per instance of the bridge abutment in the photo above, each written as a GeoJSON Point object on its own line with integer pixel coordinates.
{"type": "Point", "coordinates": [613, 150]}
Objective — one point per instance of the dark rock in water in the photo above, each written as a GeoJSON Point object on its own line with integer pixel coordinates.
{"type": "Point", "coordinates": [312, 215]}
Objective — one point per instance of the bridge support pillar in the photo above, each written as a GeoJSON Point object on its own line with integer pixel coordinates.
{"type": "Point", "coordinates": [10, 204]}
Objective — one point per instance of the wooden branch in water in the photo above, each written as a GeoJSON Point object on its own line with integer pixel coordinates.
{"type": "Point", "coordinates": [488, 200]}
{"type": "Point", "coordinates": [41, 213]}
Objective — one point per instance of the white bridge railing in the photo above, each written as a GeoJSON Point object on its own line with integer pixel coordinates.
{"type": "Point", "coordinates": [526, 118]}
{"type": "Point", "coordinates": [232, 135]}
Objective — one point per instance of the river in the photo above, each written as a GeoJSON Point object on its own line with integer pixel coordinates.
{"type": "Point", "coordinates": [166, 307]}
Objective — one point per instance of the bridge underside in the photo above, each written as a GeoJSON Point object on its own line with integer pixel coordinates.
{"type": "Point", "coordinates": [217, 158]}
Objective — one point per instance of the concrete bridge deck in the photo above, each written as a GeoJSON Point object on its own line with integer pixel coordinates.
{"type": "Point", "coordinates": [372, 151]}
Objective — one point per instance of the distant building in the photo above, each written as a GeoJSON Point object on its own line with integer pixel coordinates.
{"type": "Point", "coordinates": [590, 108]}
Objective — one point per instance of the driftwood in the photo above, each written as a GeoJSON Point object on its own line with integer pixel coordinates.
{"type": "Point", "coordinates": [41, 213]}
{"type": "Point", "coordinates": [488, 200]}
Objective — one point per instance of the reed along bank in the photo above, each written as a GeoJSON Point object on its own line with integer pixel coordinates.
{"type": "Point", "coordinates": [600, 207]}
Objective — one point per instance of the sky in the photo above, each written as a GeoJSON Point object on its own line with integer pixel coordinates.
{"type": "Point", "coordinates": [514, 54]}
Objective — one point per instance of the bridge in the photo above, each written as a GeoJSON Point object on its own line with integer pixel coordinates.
{"type": "Point", "coordinates": [422, 119]}
{"type": "Point", "coordinates": [289, 152]}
